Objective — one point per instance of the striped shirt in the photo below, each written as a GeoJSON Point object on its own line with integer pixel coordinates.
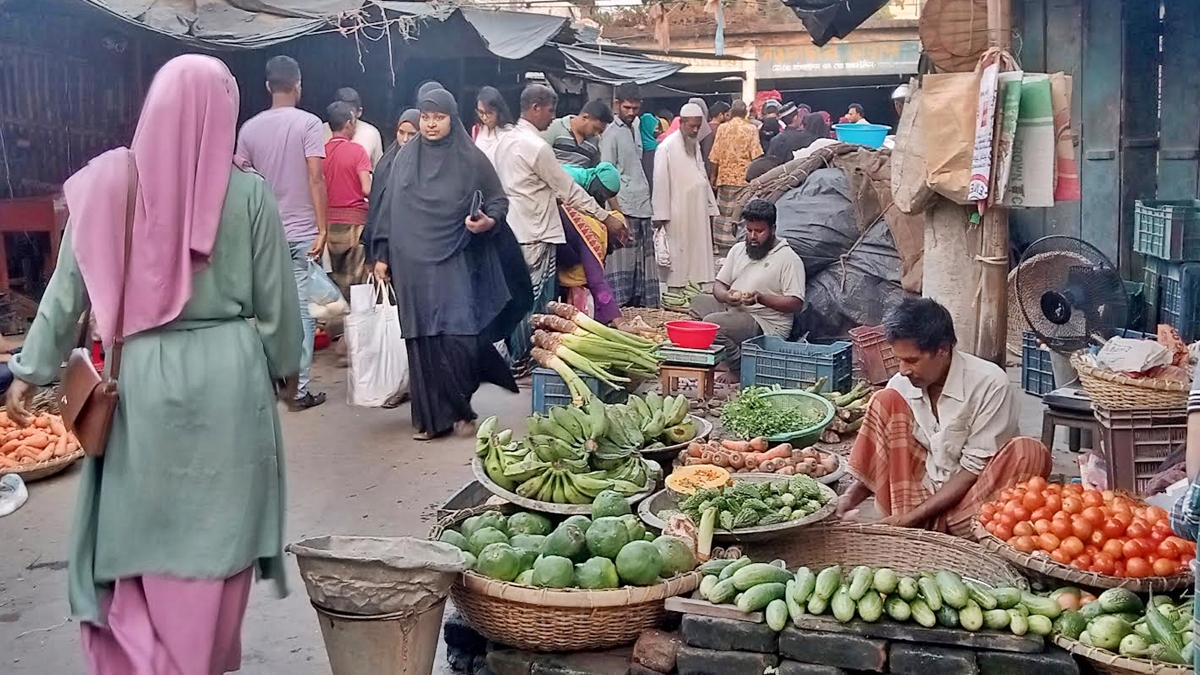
{"type": "Point", "coordinates": [568, 149]}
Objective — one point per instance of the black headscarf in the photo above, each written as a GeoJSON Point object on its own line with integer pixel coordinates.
{"type": "Point", "coordinates": [379, 186]}
{"type": "Point", "coordinates": [426, 88]}
{"type": "Point", "coordinates": [814, 128]}
{"type": "Point", "coordinates": [431, 183]}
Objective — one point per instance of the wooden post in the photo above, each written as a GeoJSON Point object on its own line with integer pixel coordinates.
{"type": "Point", "coordinates": [990, 339]}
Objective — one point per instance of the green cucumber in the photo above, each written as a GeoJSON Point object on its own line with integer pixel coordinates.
{"type": "Point", "coordinates": [1007, 597]}
{"type": "Point", "coordinates": [756, 598]}
{"type": "Point", "coordinates": [817, 605]}
{"type": "Point", "coordinates": [952, 588]}
{"type": "Point", "coordinates": [860, 580]}
{"type": "Point", "coordinates": [947, 616]}
{"type": "Point", "coordinates": [828, 581]}
{"type": "Point", "coordinates": [897, 608]}
{"type": "Point", "coordinates": [981, 596]}
{"type": "Point", "coordinates": [870, 606]}
{"type": "Point", "coordinates": [806, 581]}
{"type": "Point", "coordinates": [886, 581]}
{"type": "Point", "coordinates": [722, 593]}
{"type": "Point", "coordinates": [715, 566]}
{"type": "Point", "coordinates": [794, 608]}
{"type": "Point", "coordinates": [777, 615]}
{"type": "Point", "coordinates": [707, 584]}
{"type": "Point", "coordinates": [754, 574]}
{"type": "Point", "coordinates": [842, 605]}
{"type": "Point", "coordinates": [1039, 625]}
{"type": "Point", "coordinates": [733, 567]}
{"type": "Point", "coordinates": [996, 619]}
{"type": "Point", "coordinates": [971, 617]}
{"type": "Point", "coordinates": [1017, 623]}
{"type": "Point", "coordinates": [930, 592]}
{"type": "Point", "coordinates": [922, 614]}
{"type": "Point", "coordinates": [907, 589]}
{"type": "Point", "coordinates": [1042, 606]}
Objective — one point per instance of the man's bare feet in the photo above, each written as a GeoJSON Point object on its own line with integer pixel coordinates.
{"type": "Point", "coordinates": [728, 377]}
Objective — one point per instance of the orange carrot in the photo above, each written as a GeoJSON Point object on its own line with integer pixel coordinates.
{"type": "Point", "coordinates": [779, 452]}
{"type": "Point", "coordinates": [736, 446]}
{"type": "Point", "coordinates": [44, 455]}
{"type": "Point", "coordinates": [56, 426]}
{"type": "Point", "coordinates": [38, 440]}
{"type": "Point", "coordinates": [60, 447]}
{"type": "Point", "coordinates": [694, 449]}
{"type": "Point", "coordinates": [10, 446]}
{"type": "Point", "coordinates": [758, 444]}
{"type": "Point", "coordinates": [41, 422]}
{"type": "Point", "coordinates": [7, 463]}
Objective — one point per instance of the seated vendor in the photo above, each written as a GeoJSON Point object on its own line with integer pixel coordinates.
{"type": "Point", "coordinates": [581, 260]}
{"type": "Point", "coordinates": [941, 439]}
{"type": "Point", "coordinates": [759, 288]}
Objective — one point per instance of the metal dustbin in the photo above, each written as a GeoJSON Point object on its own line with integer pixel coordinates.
{"type": "Point", "coordinates": [379, 600]}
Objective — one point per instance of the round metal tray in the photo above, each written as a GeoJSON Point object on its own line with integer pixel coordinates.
{"type": "Point", "coordinates": [704, 429]}
{"type": "Point", "coordinates": [652, 480]}
{"type": "Point", "coordinates": [828, 479]}
{"type": "Point", "coordinates": [666, 500]}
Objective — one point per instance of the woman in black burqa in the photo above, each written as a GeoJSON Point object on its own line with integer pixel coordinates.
{"type": "Point", "coordinates": [460, 280]}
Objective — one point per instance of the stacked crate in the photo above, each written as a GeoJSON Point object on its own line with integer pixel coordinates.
{"type": "Point", "coordinates": [1168, 234]}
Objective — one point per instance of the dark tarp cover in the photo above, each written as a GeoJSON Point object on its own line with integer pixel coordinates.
{"type": "Point", "coordinates": [596, 62]}
{"type": "Point", "coordinates": [827, 19]}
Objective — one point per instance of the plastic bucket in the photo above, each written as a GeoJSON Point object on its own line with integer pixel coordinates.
{"type": "Point", "coordinates": [388, 644]}
{"type": "Point", "coordinates": [870, 135]}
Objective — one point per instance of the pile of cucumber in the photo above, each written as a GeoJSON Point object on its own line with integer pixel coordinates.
{"type": "Point", "coordinates": [940, 598]}
{"type": "Point", "coordinates": [1118, 621]}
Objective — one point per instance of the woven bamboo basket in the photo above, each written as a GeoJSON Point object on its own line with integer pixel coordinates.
{"type": "Point", "coordinates": [1115, 391]}
{"type": "Point", "coordinates": [1041, 568]}
{"type": "Point", "coordinates": [654, 317]}
{"type": "Point", "coordinates": [905, 550]}
{"type": "Point", "coordinates": [559, 620]}
{"type": "Point", "coordinates": [45, 401]}
{"type": "Point", "coordinates": [1105, 662]}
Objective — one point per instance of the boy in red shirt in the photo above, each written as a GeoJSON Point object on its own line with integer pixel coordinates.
{"type": "Point", "coordinates": [348, 180]}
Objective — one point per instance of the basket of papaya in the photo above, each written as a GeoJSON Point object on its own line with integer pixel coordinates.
{"type": "Point", "coordinates": [567, 585]}
{"type": "Point", "coordinates": [1122, 632]}
{"type": "Point", "coordinates": [1086, 537]}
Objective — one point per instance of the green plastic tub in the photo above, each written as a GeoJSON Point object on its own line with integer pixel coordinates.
{"type": "Point", "coordinates": [798, 397]}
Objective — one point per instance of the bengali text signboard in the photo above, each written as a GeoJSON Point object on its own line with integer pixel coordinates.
{"type": "Point", "coordinates": [895, 57]}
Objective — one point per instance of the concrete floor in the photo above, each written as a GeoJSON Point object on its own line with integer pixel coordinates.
{"type": "Point", "coordinates": [350, 471]}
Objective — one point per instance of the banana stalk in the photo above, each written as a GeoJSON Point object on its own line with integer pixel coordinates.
{"type": "Point", "coordinates": [552, 342]}
{"type": "Point", "coordinates": [589, 324]}
{"type": "Point", "coordinates": [580, 394]}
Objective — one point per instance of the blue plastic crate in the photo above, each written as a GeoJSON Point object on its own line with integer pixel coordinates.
{"type": "Point", "coordinates": [768, 360]}
{"type": "Point", "coordinates": [1037, 375]}
{"type": "Point", "coordinates": [1173, 289]}
{"type": "Point", "coordinates": [549, 390]}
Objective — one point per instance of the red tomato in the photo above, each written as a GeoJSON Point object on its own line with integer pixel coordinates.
{"type": "Point", "coordinates": [1114, 548]}
{"type": "Point", "coordinates": [1165, 567]}
{"type": "Point", "coordinates": [1054, 502]}
{"type": "Point", "coordinates": [1043, 514]}
{"type": "Point", "coordinates": [1113, 528]}
{"type": "Point", "coordinates": [1093, 498]}
{"type": "Point", "coordinates": [1108, 495]}
{"type": "Point", "coordinates": [1041, 526]}
{"type": "Point", "coordinates": [1183, 545]}
{"type": "Point", "coordinates": [1036, 483]}
{"type": "Point", "coordinates": [1133, 549]}
{"type": "Point", "coordinates": [1021, 513]}
{"type": "Point", "coordinates": [1155, 515]}
{"type": "Point", "coordinates": [1093, 515]}
{"type": "Point", "coordinates": [1024, 544]}
{"type": "Point", "coordinates": [1119, 569]}
{"type": "Point", "coordinates": [1003, 532]}
{"type": "Point", "coordinates": [1103, 563]}
{"type": "Point", "coordinates": [1072, 505]}
{"type": "Point", "coordinates": [1120, 504]}
{"type": "Point", "coordinates": [1061, 529]}
{"type": "Point", "coordinates": [1157, 536]}
{"type": "Point", "coordinates": [1084, 560]}
{"type": "Point", "coordinates": [1058, 556]}
{"type": "Point", "coordinates": [1006, 520]}
{"type": "Point", "coordinates": [1137, 568]}
{"type": "Point", "coordinates": [1071, 546]}
{"type": "Point", "coordinates": [1048, 542]}
{"type": "Point", "coordinates": [1137, 528]}
{"type": "Point", "coordinates": [1124, 517]}
{"type": "Point", "coordinates": [1023, 529]}
{"type": "Point", "coordinates": [1082, 527]}
{"type": "Point", "coordinates": [987, 511]}
{"type": "Point", "coordinates": [1006, 494]}
{"type": "Point", "coordinates": [1167, 549]}
{"type": "Point", "coordinates": [1033, 501]}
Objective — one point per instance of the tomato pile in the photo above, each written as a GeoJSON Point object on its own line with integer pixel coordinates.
{"type": "Point", "coordinates": [1089, 530]}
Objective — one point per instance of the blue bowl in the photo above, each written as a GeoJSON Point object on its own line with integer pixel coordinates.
{"type": "Point", "coordinates": [870, 135]}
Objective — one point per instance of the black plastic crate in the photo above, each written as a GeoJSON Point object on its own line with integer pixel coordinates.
{"type": "Point", "coordinates": [1037, 375]}
{"type": "Point", "coordinates": [768, 361]}
{"type": "Point", "coordinates": [1173, 290]}
{"type": "Point", "coordinates": [549, 390]}
{"type": "Point", "coordinates": [1135, 442]}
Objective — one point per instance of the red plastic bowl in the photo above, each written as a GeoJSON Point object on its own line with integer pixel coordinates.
{"type": "Point", "coordinates": [692, 334]}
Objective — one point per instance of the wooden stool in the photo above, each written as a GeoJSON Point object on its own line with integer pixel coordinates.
{"type": "Point", "coordinates": [670, 375]}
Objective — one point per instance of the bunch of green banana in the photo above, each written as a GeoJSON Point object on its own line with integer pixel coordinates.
{"type": "Point", "coordinates": [562, 485]}
{"type": "Point", "coordinates": [683, 298]}
{"type": "Point", "coordinates": [498, 452]}
{"type": "Point", "coordinates": [663, 419]}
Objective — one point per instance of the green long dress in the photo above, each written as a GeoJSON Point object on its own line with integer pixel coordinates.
{"type": "Point", "coordinates": [192, 482]}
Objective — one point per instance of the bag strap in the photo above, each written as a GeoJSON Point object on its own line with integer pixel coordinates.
{"type": "Point", "coordinates": [130, 211]}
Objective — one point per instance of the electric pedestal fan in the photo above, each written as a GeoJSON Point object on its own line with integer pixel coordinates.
{"type": "Point", "coordinates": [1070, 293]}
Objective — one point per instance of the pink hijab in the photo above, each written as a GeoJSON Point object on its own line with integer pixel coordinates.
{"type": "Point", "coordinates": [183, 149]}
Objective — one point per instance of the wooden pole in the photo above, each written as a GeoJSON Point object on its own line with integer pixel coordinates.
{"type": "Point", "coordinates": [991, 337]}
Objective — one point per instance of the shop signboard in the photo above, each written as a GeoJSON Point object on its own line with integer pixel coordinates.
{"type": "Point", "coordinates": [891, 57]}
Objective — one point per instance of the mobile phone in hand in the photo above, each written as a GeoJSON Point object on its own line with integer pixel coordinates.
{"type": "Point", "coordinates": [477, 205]}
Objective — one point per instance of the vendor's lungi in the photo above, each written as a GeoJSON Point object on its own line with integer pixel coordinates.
{"type": "Point", "coordinates": [891, 463]}
{"type": "Point", "coordinates": [724, 226]}
{"type": "Point", "coordinates": [346, 256]}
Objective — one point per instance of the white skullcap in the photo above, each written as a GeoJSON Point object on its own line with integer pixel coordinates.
{"type": "Point", "coordinates": [691, 110]}
{"type": "Point", "coordinates": [900, 92]}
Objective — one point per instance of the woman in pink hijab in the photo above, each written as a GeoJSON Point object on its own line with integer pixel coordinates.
{"type": "Point", "coordinates": [187, 504]}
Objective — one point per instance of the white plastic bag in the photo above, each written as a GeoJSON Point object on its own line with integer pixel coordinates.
{"type": "Point", "coordinates": [375, 346]}
{"type": "Point", "coordinates": [662, 247]}
{"type": "Point", "coordinates": [325, 301]}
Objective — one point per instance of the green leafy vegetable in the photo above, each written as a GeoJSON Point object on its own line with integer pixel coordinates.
{"type": "Point", "coordinates": [750, 413]}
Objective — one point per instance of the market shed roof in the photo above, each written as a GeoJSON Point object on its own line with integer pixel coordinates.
{"type": "Point", "coordinates": [828, 19]}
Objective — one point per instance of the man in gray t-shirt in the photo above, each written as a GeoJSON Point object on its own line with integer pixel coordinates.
{"type": "Point", "coordinates": [287, 146]}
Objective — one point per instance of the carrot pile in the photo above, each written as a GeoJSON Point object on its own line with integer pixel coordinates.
{"type": "Point", "coordinates": [754, 456]}
{"type": "Point", "coordinates": [45, 438]}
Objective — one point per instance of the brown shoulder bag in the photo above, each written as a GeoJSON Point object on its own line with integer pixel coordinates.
{"type": "Point", "coordinates": [88, 400]}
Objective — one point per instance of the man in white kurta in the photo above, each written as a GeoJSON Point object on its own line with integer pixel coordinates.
{"type": "Point", "coordinates": [683, 202]}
